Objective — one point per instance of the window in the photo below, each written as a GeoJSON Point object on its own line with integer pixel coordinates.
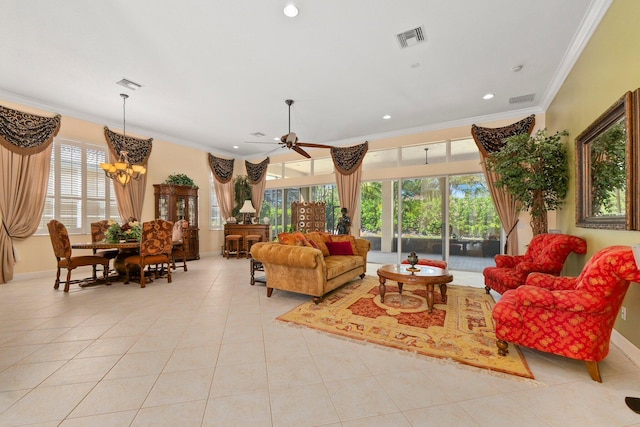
{"type": "Point", "coordinates": [215, 218]}
{"type": "Point", "coordinates": [78, 192]}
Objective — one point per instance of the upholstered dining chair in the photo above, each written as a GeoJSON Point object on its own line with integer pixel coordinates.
{"type": "Point", "coordinates": [62, 250]}
{"type": "Point", "coordinates": [568, 316]}
{"type": "Point", "coordinates": [546, 254]}
{"type": "Point", "coordinates": [98, 230]}
{"type": "Point", "coordinates": [180, 241]}
{"type": "Point", "coordinates": [155, 249]}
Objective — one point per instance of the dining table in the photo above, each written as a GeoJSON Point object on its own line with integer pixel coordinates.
{"type": "Point", "coordinates": [125, 249]}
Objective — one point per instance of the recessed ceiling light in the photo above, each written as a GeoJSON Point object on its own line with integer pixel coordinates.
{"type": "Point", "coordinates": [236, 147]}
{"type": "Point", "coordinates": [276, 139]}
{"type": "Point", "coordinates": [488, 96]}
{"type": "Point", "coordinates": [386, 117]}
{"type": "Point", "coordinates": [290, 10]}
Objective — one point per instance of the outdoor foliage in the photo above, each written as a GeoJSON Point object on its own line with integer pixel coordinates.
{"type": "Point", "coordinates": [608, 166]}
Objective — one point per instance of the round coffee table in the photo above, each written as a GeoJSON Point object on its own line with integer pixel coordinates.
{"type": "Point", "coordinates": [425, 275]}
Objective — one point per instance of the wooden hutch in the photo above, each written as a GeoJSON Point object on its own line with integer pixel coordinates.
{"type": "Point", "coordinates": [176, 202]}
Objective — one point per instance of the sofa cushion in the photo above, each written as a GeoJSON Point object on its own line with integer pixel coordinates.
{"type": "Point", "coordinates": [340, 248]}
{"type": "Point", "coordinates": [294, 239]}
{"type": "Point", "coordinates": [339, 264]}
{"type": "Point", "coordinates": [346, 238]}
{"type": "Point", "coordinates": [319, 238]}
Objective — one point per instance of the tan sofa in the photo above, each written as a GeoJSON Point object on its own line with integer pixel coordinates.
{"type": "Point", "coordinates": [305, 270]}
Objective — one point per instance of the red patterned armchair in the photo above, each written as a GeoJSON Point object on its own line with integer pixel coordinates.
{"type": "Point", "coordinates": [568, 316]}
{"type": "Point", "coordinates": [546, 254]}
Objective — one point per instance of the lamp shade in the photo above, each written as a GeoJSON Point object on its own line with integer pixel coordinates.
{"type": "Point", "coordinates": [247, 207]}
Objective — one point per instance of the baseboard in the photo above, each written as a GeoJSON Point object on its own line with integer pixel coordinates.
{"type": "Point", "coordinates": [630, 350]}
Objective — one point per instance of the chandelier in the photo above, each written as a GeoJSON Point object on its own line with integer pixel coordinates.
{"type": "Point", "coordinates": [123, 171]}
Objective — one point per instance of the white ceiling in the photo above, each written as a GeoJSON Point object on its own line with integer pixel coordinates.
{"type": "Point", "coordinates": [214, 72]}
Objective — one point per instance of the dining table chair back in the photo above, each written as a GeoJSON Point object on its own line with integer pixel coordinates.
{"type": "Point", "coordinates": [155, 249]}
{"type": "Point", "coordinates": [64, 259]}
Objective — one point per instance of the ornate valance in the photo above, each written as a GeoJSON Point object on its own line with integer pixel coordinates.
{"type": "Point", "coordinates": [222, 168]}
{"type": "Point", "coordinates": [348, 159]}
{"type": "Point", "coordinates": [24, 133]}
{"type": "Point", "coordinates": [256, 171]}
{"type": "Point", "coordinates": [138, 150]}
{"type": "Point", "coordinates": [490, 140]}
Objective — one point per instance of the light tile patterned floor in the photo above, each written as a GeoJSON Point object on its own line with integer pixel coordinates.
{"type": "Point", "coordinates": [205, 351]}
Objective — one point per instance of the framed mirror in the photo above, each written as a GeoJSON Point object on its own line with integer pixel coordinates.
{"type": "Point", "coordinates": [607, 169]}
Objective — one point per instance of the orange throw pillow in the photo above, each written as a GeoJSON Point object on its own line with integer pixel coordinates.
{"type": "Point", "coordinates": [295, 239]}
{"type": "Point", "coordinates": [319, 239]}
{"type": "Point", "coordinates": [346, 238]}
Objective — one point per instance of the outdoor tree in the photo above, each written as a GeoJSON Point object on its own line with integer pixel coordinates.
{"type": "Point", "coordinates": [535, 171]}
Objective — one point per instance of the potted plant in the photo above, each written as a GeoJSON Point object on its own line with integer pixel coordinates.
{"type": "Point", "coordinates": [241, 192]}
{"type": "Point", "coordinates": [180, 179]}
{"type": "Point", "coordinates": [535, 171]}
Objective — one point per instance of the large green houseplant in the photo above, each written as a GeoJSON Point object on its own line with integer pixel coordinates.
{"type": "Point", "coordinates": [241, 192]}
{"type": "Point", "coordinates": [534, 169]}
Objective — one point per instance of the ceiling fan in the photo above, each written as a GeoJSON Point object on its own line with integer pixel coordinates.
{"type": "Point", "coordinates": [290, 140]}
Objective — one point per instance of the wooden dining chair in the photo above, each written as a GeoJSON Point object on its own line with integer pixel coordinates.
{"type": "Point", "coordinates": [62, 250]}
{"type": "Point", "coordinates": [155, 249]}
{"type": "Point", "coordinates": [98, 230]}
{"type": "Point", "coordinates": [180, 241]}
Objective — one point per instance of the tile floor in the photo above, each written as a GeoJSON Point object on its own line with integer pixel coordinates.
{"type": "Point", "coordinates": [205, 351]}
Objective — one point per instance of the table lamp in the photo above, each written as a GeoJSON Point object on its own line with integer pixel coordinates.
{"type": "Point", "coordinates": [247, 208]}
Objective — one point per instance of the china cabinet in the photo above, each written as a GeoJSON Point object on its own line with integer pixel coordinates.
{"type": "Point", "coordinates": [176, 202]}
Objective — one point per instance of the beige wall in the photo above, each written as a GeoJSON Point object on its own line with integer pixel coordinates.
{"type": "Point", "coordinates": [608, 67]}
{"type": "Point", "coordinates": [34, 253]}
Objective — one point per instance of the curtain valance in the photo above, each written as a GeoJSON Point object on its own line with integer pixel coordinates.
{"type": "Point", "coordinates": [256, 171]}
{"type": "Point", "coordinates": [347, 160]}
{"type": "Point", "coordinates": [490, 140]}
{"type": "Point", "coordinates": [222, 168]}
{"type": "Point", "coordinates": [25, 134]}
{"type": "Point", "coordinates": [138, 149]}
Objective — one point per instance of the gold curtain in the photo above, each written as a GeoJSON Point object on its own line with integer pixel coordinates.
{"type": "Point", "coordinates": [348, 164]}
{"type": "Point", "coordinates": [491, 140]}
{"type": "Point", "coordinates": [257, 174]}
{"type": "Point", "coordinates": [222, 173]}
{"type": "Point", "coordinates": [131, 197]}
{"type": "Point", "coordinates": [25, 158]}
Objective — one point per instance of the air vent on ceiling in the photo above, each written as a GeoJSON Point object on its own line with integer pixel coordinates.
{"type": "Point", "coordinates": [258, 134]}
{"type": "Point", "coordinates": [522, 98]}
{"type": "Point", "coordinates": [411, 37]}
{"type": "Point", "coordinates": [129, 84]}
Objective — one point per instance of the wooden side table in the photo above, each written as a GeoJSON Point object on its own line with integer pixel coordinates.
{"type": "Point", "coordinates": [256, 266]}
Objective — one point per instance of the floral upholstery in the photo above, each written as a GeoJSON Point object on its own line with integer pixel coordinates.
{"type": "Point", "coordinates": [546, 254]}
{"type": "Point", "coordinates": [569, 316]}
{"type": "Point", "coordinates": [155, 249]}
{"type": "Point", "coordinates": [62, 250]}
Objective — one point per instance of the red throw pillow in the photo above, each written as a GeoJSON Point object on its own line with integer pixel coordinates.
{"type": "Point", "coordinates": [339, 248]}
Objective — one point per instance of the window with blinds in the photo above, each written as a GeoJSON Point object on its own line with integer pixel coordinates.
{"type": "Point", "coordinates": [78, 191]}
{"type": "Point", "coordinates": [215, 218]}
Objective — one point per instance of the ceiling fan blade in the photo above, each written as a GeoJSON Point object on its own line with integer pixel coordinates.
{"type": "Point", "coordinates": [301, 151]}
{"type": "Point", "coordinates": [312, 145]}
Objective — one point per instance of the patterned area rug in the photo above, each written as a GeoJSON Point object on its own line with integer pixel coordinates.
{"type": "Point", "coordinates": [460, 329]}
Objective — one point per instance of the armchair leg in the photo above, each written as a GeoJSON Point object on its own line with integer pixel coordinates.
{"type": "Point", "coordinates": [503, 347]}
{"type": "Point", "coordinates": [594, 371]}
{"type": "Point", "coordinates": [487, 289]}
